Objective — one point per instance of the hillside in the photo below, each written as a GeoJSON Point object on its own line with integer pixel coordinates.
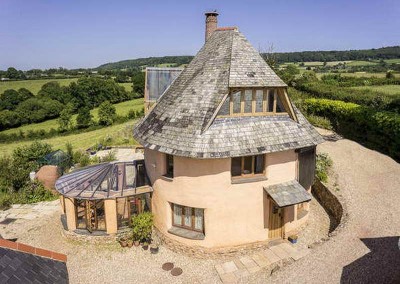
{"type": "Point", "coordinates": [390, 52]}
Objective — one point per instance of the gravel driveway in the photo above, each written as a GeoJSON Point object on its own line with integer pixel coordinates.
{"type": "Point", "coordinates": [367, 249]}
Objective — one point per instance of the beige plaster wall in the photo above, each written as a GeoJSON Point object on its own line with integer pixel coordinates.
{"type": "Point", "coordinates": [110, 208]}
{"type": "Point", "coordinates": [234, 214]}
{"type": "Point", "coordinates": [70, 213]}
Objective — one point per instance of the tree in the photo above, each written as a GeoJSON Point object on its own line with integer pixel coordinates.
{"type": "Point", "coordinates": [269, 56]}
{"type": "Point", "coordinates": [64, 121]}
{"type": "Point", "coordinates": [10, 99]}
{"type": "Point", "coordinates": [53, 90]}
{"type": "Point", "coordinates": [289, 73]}
{"type": "Point", "coordinates": [25, 160]}
{"type": "Point", "coordinates": [138, 80]}
{"type": "Point", "coordinates": [389, 75]}
{"type": "Point", "coordinates": [84, 118]}
{"type": "Point", "coordinates": [12, 73]}
{"type": "Point", "coordinates": [107, 113]}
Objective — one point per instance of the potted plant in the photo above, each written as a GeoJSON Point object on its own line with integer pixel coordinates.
{"type": "Point", "coordinates": [154, 248]}
{"type": "Point", "coordinates": [142, 225]}
{"type": "Point", "coordinates": [123, 241]}
{"type": "Point", "coordinates": [129, 242]}
{"type": "Point", "coordinates": [293, 239]}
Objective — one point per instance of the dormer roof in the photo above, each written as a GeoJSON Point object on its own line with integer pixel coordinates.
{"type": "Point", "coordinates": [183, 121]}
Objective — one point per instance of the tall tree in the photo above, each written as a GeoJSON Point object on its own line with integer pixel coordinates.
{"type": "Point", "coordinates": [107, 113]}
{"type": "Point", "coordinates": [64, 121]}
{"type": "Point", "coordinates": [84, 118]}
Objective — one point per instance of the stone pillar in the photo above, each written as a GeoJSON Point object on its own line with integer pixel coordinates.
{"type": "Point", "coordinates": [110, 207]}
{"type": "Point", "coordinates": [70, 213]}
{"type": "Point", "coordinates": [211, 23]}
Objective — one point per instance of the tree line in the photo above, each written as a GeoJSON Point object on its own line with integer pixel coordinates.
{"type": "Point", "coordinates": [18, 107]}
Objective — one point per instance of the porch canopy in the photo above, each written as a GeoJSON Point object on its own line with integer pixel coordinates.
{"type": "Point", "coordinates": [106, 180]}
{"type": "Point", "coordinates": [288, 193]}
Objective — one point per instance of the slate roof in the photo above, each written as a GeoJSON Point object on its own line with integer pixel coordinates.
{"type": "Point", "coordinates": [21, 267]}
{"type": "Point", "coordinates": [288, 193]}
{"type": "Point", "coordinates": [183, 120]}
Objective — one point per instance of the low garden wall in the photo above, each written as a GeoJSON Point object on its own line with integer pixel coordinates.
{"type": "Point", "coordinates": [331, 203]}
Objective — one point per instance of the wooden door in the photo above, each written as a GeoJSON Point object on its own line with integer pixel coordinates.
{"type": "Point", "coordinates": [275, 221]}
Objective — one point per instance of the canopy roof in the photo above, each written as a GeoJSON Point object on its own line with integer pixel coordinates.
{"type": "Point", "coordinates": [106, 180]}
{"type": "Point", "coordinates": [288, 193]}
{"type": "Point", "coordinates": [183, 122]}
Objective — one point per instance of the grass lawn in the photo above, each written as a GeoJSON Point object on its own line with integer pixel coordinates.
{"type": "Point", "coordinates": [121, 134]}
{"type": "Point", "coordinates": [121, 108]}
{"type": "Point", "coordinates": [35, 85]}
{"type": "Point", "coordinates": [387, 89]}
{"type": "Point", "coordinates": [32, 85]}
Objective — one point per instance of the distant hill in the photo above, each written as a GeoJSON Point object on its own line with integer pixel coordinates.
{"type": "Point", "coordinates": [390, 52]}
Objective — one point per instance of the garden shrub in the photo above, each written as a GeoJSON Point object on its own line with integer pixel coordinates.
{"type": "Point", "coordinates": [379, 130]}
{"type": "Point", "coordinates": [142, 225]}
{"type": "Point", "coordinates": [323, 165]}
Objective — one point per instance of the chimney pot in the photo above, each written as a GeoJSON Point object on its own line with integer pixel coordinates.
{"type": "Point", "coordinates": [211, 23]}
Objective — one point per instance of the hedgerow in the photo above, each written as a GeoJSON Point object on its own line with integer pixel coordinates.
{"type": "Point", "coordinates": [376, 129]}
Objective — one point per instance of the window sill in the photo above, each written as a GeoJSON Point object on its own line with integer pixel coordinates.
{"type": "Point", "coordinates": [240, 180]}
{"type": "Point", "coordinates": [167, 178]}
{"type": "Point", "coordinates": [187, 234]}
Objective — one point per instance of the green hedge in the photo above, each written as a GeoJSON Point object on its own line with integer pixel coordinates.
{"type": "Point", "coordinates": [379, 130]}
{"type": "Point", "coordinates": [367, 97]}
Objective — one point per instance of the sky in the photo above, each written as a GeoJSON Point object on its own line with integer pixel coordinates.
{"type": "Point", "coordinates": [85, 34]}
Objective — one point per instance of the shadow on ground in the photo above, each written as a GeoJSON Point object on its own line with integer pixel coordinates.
{"type": "Point", "coordinates": [380, 265]}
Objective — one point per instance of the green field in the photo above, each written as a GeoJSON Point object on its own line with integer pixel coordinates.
{"type": "Point", "coordinates": [35, 85]}
{"type": "Point", "coordinates": [121, 108]}
{"type": "Point", "coordinates": [386, 89]}
{"type": "Point", "coordinates": [121, 134]}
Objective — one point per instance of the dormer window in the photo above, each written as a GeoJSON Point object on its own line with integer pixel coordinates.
{"type": "Point", "coordinates": [248, 102]}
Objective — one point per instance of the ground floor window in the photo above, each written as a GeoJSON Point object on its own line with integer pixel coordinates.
{"type": "Point", "coordinates": [130, 206]}
{"type": "Point", "coordinates": [90, 215]}
{"type": "Point", "coordinates": [188, 217]}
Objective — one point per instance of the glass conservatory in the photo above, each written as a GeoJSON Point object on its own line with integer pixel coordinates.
{"type": "Point", "coordinates": [104, 197]}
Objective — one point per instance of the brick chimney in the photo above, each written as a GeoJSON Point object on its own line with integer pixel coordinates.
{"type": "Point", "coordinates": [211, 23]}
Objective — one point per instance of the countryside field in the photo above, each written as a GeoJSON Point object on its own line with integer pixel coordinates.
{"type": "Point", "coordinates": [35, 85]}
{"type": "Point", "coordinates": [386, 89]}
{"type": "Point", "coordinates": [121, 134]}
{"type": "Point", "coordinates": [121, 108]}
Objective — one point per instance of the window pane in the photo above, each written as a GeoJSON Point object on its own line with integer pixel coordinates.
{"type": "Point", "coordinates": [248, 99]}
{"type": "Point", "coordinates": [129, 175]}
{"type": "Point", "coordinates": [259, 100]}
{"type": "Point", "coordinates": [270, 107]}
{"type": "Point", "coordinates": [259, 164]}
{"type": "Point", "coordinates": [177, 215]}
{"type": "Point", "coordinates": [170, 165]}
{"type": "Point", "coordinates": [236, 102]}
{"type": "Point", "coordinates": [198, 218]}
{"type": "Point", "coordinates": [279, 105]}
{"type": "Point", "coordinates": [188, 217]}
{"type": "Point", "coordinates": [247, 165]}
{"type": "Point", "coordinates": [236, 166]}
{"type": "Point", "coordinates": [224, 110]}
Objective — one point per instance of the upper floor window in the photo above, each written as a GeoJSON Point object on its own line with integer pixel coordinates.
{"type": "Point", "coordinates": [169, 166]}
{"type": "Point", "coordinates": [248, 166]}
{"type": "Point", "coordinates": [252, 102]}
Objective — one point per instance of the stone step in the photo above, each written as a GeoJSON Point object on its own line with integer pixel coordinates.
{"type": "Point", "coordinates": [261, 260]}
{"type": "Point", "coordinates": [281, 253]}
{"type": "Point", "coordinates": [271, 256]}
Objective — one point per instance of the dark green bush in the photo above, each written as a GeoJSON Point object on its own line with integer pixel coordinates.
{"type": "Point", "coordinates": [379, 130]}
